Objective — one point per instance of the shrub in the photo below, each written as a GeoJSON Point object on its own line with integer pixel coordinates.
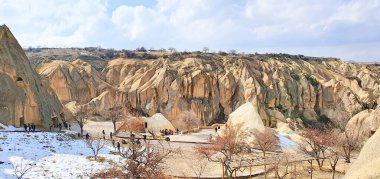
{"type": "Point", "coordinates": [312, 80]}
{"type": "Point", "coordinates": [110, 173]}
{"type": "Point", "coordinates": [295, 76]}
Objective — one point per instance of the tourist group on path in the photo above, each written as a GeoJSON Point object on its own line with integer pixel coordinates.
{"type": "Point", "coordinates": [169, 132]}
{"type": "Point", "coordinates": [30, 127]}
{"type": "Point", "coordinates": [60, 125]}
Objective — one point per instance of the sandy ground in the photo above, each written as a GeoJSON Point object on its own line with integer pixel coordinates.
{"type": "Point", "coordinates": [188, 162]}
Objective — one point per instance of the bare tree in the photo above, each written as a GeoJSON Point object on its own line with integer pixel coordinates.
{"type": "Point", "coordinates": [332, 153]}
{"type": "Point", "coordinates": [226, 149]}
{"type": "Point", "coordinates": [349, 140]}
{"type": "Point", "coordinates": [110, 173]}
{"type": "Point", "coordinates": [266, 140]}
{"type": "Point", "coordinates": [147, 160]}
{"type": "Point", "coordinates": [81, 116]}
{"type": "Point", "coordinates": [95, 144]}
{"type": "Point", "coordinates": [233, 52]}
{"type": "Point", "coordinates": [187, 120]}
{"type": "Point", "coordinates": [199, 167]}
{"type": "Point", "coordinates": [21, 168]}
{"type": "Point", "coordinates": [333, 157]}
{"type": "Point", "coordinates": [314, 144]}
{"type": "Point", "coordinates": [206, 49]}
{"type": "Point", "coordinates": [172, 50]}
{"type": "Point", "coordinates": [133, 125]}
{"type": "Point", "coordinates": [114, 113]}
{"type": "Point", "coordinates": [282, 160]}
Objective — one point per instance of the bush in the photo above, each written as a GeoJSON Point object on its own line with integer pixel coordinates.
{"type": "Point", "coordinates": [312, 80]}
{"type": "Point", "coordinates": [295, 76]}
{"type": "Point", "coordinates": [141, 49]}
{"type": "Point", "coordinates": [110, 173]}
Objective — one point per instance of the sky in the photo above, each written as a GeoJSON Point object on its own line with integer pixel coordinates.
{"type": "Point", "coordinates": [346, 29]}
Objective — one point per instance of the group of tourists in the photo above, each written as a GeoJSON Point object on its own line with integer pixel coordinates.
{"type": "Point", "coordinates": [104, 135]}
{"type": "Point", "coordinates": [217, 128]}
{"type": "Point", "coordinates": [87, 136]}
{"type": "Point", "coordinates": [30, 127]}
{"type": "Point", "coordinates": [60, 125]}
{"type": "Point", "coordinates": [169, 132]}
{"type": "Point", "coordinates": [66, 125]}
{"type": "Point", "coordinates": [116, 145]}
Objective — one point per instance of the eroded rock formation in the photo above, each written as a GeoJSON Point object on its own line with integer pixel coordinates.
{"type": "Point", "coordinates": [368, 163]}
{"type": "Point", "coordinates": [24, 97]}
{"type": "Point", "coordinates": [365, 123]}
{"type": "Point", "coordinates": [284, 87]}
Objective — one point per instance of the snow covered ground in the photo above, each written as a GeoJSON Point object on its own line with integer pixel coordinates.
{"type": "Point", "coordinates": [201, 136]}
{"type": "Point", "coordinates": [9, 128]}
{"type": "Point", "coordinates": [57, 155]}
{"type": "Point", "coordinates": [52, 155]}
{"type": "Point", "coordinates": [286, 143]}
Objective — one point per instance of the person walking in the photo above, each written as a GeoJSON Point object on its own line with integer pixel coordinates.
{"type": "Point", "coordinates": [65, 124]}
{"type": "Point", "coordinates": [113, 144]}
{"type": "Point", "coordinates": [118, 146]}
{"type": "Point", "coordinates": [104, 135]}
{"type": "Point", "coordinates": [111, 135]}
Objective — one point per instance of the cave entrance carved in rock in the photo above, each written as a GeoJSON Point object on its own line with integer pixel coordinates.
{"type": "Point", "coordinates": [55, 121]}
{"type": "Point", "coordinates": [22, 121]}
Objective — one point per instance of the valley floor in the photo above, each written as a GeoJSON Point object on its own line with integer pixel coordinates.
{"type": "Point", "coordinates": [59, 155]}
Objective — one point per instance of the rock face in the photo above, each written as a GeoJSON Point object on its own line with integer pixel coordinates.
{"type": "Point", "coordinates": [213, 87]}
{"type": "Point", "coordinates": [24, 97]}
{"type": "Point", "coordinates": [368, 163]}
{"type": "Point", "coordinates": [73, 81]}
{"type": "Point", "coordinates": [366, 122]}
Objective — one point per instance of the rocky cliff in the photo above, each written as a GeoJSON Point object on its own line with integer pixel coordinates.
{"type": "Point", "coordinates": [213, 85]}
{"type": "Point", "coordinates": [368, 163]}
{"type": "Point", "coordinates": [24, 98]}
{"type": "Point", "coordinates": [366, 122]}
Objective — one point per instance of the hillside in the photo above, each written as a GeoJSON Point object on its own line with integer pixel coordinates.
{"type": "Point", "coordinates": [308, 89]}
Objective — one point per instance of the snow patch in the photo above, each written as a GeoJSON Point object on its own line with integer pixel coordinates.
{"type": "Point", "coordinates": [53, 155]}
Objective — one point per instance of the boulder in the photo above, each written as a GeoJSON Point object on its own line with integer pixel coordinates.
{"type": "Point", "coordinates": [158, 122]}
{"type": "Point", "coordinates": [247, 116]}
{"type": "Point", "coordinates": [365, 123]}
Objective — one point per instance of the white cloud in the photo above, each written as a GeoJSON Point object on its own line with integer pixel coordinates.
{"type": "Point", "coordinates": [335, 27]}
{"type": "Point", "coordinates": [54, 23]}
